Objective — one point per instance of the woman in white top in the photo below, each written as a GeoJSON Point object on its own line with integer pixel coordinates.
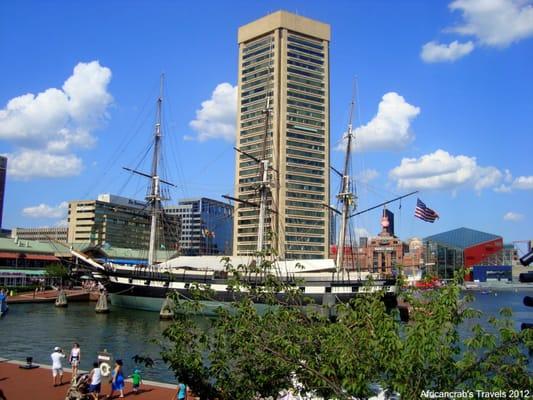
{"type": "Point", "coordinates": [74, 359]}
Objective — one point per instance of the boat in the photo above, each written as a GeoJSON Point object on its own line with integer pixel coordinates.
{"type": "Point", "coordinates": [325, 281]}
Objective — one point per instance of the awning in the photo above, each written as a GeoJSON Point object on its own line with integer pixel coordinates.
{"type": "Point", "coordinates": [28, 256]}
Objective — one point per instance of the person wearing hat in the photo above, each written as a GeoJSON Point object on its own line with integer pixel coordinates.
{"type": "Point", "coordinates": [57, 365]}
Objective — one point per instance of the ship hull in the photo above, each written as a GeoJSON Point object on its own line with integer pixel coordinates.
{"type": "Point", "coordinates": [129, 291]}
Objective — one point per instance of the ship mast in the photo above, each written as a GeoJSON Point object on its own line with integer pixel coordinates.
{"type": "Point", "coordinates": [263, 184]}
{"type": "Point", "coordinates": [346, 196]}
{"type": "Point", "coordinates": [154, 198]}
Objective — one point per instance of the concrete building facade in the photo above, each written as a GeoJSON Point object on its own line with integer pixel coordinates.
{"type": "Point", "coordinates": [206, 226]}
{"type": "Point", "coordinates": [118, 222]}
{"type": "Point", "coordinates": [284, 58]}
{"type": "Point", "coordinates": [59, 234]}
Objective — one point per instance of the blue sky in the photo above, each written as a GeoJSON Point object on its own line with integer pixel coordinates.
{"type": "Point", "coordinates": [444, 103]}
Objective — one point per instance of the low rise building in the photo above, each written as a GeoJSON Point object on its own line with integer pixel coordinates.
{"type": "Point", "coordinates": [58, 234]}
{"type": "Point", "coordinates": [118, 222]}
{"type": "Point", "coordinates": [24, 262]}
{"type": "Point", "coordinates": [463, 247]}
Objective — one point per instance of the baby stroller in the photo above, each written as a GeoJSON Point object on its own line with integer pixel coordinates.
{"type": "Point", "coordinates": [78, 389]}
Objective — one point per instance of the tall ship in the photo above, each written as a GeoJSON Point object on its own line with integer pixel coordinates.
{"type": "Point", "coordinates": [280, 55]}
{"type": "Point", "coordinates": [325, 281]}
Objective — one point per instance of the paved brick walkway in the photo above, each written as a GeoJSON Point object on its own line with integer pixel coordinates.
{"type": "Point", "coordinates": [22, 384]}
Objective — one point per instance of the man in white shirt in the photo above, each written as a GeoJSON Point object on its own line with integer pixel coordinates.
{"type": "Point", "coordinates": [57, 365]}
{"type": "Point", "coordinates": [96, 381]}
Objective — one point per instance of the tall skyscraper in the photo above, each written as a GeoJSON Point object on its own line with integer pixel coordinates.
{"type": "Point", "coordinates": [3, 169]}
{"type": "Point", "coordinates": [284, 58]}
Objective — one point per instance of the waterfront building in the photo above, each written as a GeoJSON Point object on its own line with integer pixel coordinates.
{"type": "Point", "coordinates": [118, 222]}
{"type": "Point", "coordinates": [3, 170]}
{"type": "Point", "coordinates": [463, 247]}
{"type": "Point", "coordinates": [24, 262]}
{"type": "Point", "coordinates": [57, 234]}
{"type": "Point", "coordinates": [206, 226]}
{"type": "Point", "coordinates": [284, 58]}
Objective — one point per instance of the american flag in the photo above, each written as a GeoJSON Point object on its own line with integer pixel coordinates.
{"type": "Point", "coordinates": [425, 213]}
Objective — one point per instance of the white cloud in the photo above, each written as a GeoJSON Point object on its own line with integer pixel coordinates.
{"type": "Point", "coordinates": [389, 129]}
{"type": "Point", "coordinates": [523, 182]}
{"type": "Point", "coordinates": [57, 121]}
{"type": "Point", "coordinates": [513, 216]}
{"type": "Point", "coordinates": [495, 22]}
{"type": "Point", "coordinates": [503, 188]}
{"type": "Point", "coordinates": [27, 164]}
{"type": "Point", "coordinates": [436, 52]}
{"type": "Point", "coordinates": [62, 223]}
{"type": "Point", "coordinates": [216, 118]}
{"type": "Point", "coordinates": [46, 211]}
{"type": "Point", "coordinates": [520, 183]}
{"type": "Point", "coordinates": [441, 170]}
{"type": "Point", "coordinates": [367, 175]}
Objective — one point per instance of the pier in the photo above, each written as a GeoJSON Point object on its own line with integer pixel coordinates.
{"type": "Point", "coordinates": [50, 296]}
{"type": "Point", "coordinates": [29, 384]}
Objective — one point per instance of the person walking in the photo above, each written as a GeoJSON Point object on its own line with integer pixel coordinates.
{"type": "Point", "coordinates": [181, 393]}
{"type": "Point", "coordinates": [74, 359]}
{"type": "Point", "coordinates": [57, 365]}
{"type": "Point", "coordinates": [136, 380]}
{"type": "Point", "coordinates": [117, 382]}
{"type": "Point", "coordinates": [95, 377]}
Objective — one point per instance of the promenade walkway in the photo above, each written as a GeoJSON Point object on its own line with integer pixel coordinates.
{"type": "Point", "coordinates": [22, 384]}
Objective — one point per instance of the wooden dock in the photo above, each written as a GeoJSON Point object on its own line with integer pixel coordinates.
{"type": "Point", "coordinates": [50, 296]}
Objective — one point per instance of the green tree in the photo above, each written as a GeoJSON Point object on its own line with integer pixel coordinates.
{"type": "Point", "coordinates": [57, 271]}
{"type": "Point", "coordinates": [244, 353]}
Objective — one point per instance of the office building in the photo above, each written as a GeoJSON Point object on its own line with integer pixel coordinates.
{"type": "Point", "coordinates": [118, 222]}
{"type": "Point", "coordinates": [389, 215]}
{"type": "Point", "coordinates": [284, 58]}
{"type": "Point", "coordinates": [56, 234]}
{"type": "Point", "coordinates": [3, 170]}
{"type": "Point", "coordinates": [206, 226]}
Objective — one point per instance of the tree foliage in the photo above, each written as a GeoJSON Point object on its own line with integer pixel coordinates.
{"type": "Point", "coordinates": [246, 352]}
{"type": "Point", "coordinates": [57, 270]}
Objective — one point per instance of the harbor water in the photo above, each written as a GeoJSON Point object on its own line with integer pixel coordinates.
{"type": "Point", "coordinates": [33, 330]}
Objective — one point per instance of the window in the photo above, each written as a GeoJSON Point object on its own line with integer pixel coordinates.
{"type": "Point", "coordinates": [304, 58]}
{"type": "Point", "coordinates": [305, 42]}
{"type": "Point", "coordinates": [305, 73]}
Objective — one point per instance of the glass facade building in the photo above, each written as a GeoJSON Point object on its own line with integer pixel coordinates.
{"type": "Point", "coordinates": [284, 58]}
{"type": "Point", "coordinates": [206, 226]}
